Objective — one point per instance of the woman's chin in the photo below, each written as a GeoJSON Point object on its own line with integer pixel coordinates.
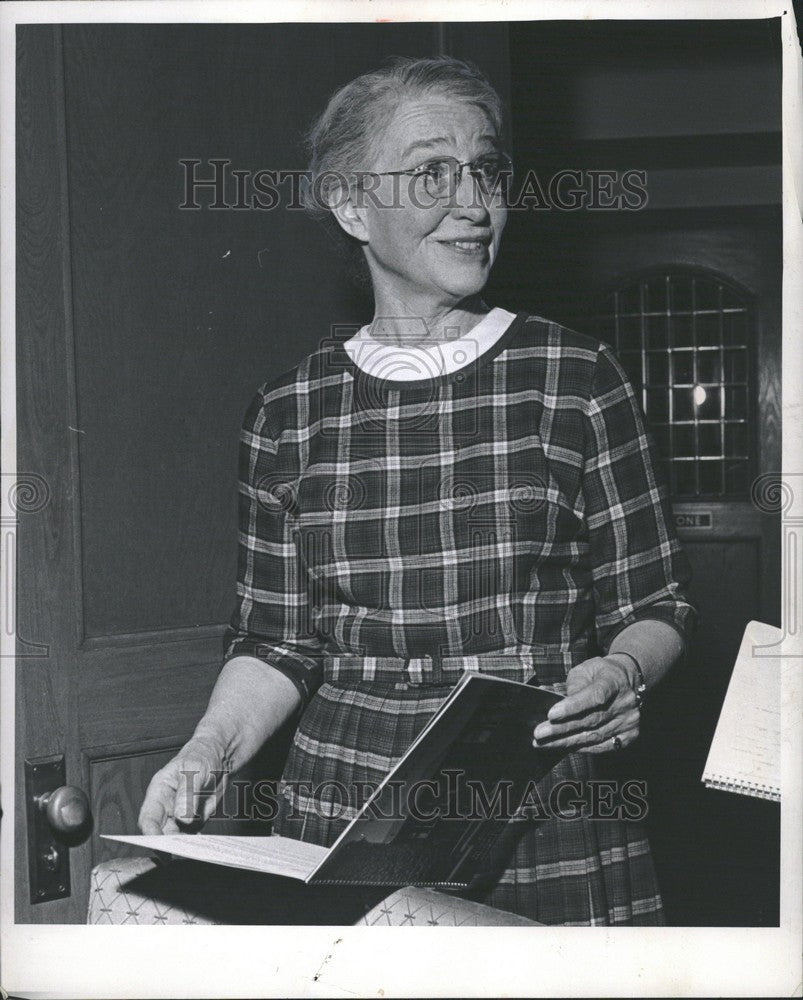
{"type": "Point", "coordinates": [463, 285]}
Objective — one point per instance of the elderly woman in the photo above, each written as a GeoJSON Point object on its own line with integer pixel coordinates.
{"type": "Point", "coordinates": [454, 488]}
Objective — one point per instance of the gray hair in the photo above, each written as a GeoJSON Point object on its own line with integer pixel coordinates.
{"type": "Point", "coordinates": [341, 142]}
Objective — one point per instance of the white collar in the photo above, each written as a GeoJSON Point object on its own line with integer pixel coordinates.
{"type": "Point", "coordinates": [422, 360]}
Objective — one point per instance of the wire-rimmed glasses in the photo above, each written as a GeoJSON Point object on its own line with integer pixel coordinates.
{"type": "Point", "coordinates": [441, 177]}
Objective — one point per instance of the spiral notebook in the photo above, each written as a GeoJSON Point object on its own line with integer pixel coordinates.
{"type": "Point", "coordinates": [745, 755]}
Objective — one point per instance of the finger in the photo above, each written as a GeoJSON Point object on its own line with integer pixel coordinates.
{"type": "Point", "coordinates": [551, 736]}
{"type": "Point", "coordinates": [598, 694]}
{"type": "Point", "coordinates": [212, 798]}
{"type": "Point", "coordinates": [581, 723]}
{"type": "Point", "coordinates": [627, 737]}
{"type": "Point", "coordinates": [156, 808]}
{"type": "Point", "coordinates": [193, 776]}
{"type": "Point", "coordinates": [150, 826]}
{"type": "Point", "coordinates": [623, 708]}
{"type": "Point", "coordinates": [209, 806]}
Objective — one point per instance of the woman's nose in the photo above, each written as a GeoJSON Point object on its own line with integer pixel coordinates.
{"type": "Point", "coordinates": [467, 199]}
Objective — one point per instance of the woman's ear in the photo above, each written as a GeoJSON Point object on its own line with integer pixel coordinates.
{"type": "Point", "coordinates": [349, 214]}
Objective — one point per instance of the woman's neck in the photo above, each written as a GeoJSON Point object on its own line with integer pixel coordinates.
{"type": "Point", "coordinates": [395, 324]}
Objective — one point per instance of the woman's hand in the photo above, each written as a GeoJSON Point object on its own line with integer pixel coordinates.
{"type": "Point", "coordinates": [600, 704]}
{"type": "Point", "coordinates": [187, 789]}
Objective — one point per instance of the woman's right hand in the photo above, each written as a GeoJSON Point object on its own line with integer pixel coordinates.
{"type": "Point", "coordinates": [187, 789]}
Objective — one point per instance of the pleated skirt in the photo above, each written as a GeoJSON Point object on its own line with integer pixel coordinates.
{"type": "Point", "coordinates": [581, 871]}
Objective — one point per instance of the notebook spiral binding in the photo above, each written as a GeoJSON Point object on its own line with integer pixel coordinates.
{"type": "Point", "coordinates": [757, 789]}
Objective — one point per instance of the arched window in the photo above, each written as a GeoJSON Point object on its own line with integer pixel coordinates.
{"type": "Point", "coordinates": [684, 339]}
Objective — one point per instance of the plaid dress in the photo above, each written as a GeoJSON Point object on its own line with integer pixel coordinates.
{"type": "Point", "coordinates": [504, 517]}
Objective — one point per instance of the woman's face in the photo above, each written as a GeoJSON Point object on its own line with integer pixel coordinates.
{"type": "Point", "coordinates": [427, 254]}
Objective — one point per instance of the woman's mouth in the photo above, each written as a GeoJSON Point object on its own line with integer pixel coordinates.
{"type": "Point", "coordinates": [468, 247]}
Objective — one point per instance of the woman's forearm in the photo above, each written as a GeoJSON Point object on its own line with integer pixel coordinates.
{"type": "Point", "coordinates": [250, 702]}
{"type": "Point", "coordinates": [654, 644]}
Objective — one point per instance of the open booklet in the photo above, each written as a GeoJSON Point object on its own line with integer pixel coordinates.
{"type": "Point", "coordinates": [441, 816]}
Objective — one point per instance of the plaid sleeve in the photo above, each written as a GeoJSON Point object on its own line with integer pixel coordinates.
{"type": "Point", "coordinates": [639, 569]}
{"type": "Point", "coordinates": [271, 618]}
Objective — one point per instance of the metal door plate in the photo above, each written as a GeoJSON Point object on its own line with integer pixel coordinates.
{"type": "Point", "coordinates": [48, 858]}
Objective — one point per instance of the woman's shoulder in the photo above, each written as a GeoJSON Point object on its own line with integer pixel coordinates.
{"type": "Point", "coordinates": [548, 333]}
{"type": "Point", "coordinates": [278, 397]}
{"type": "Point", "coordinates": [562, 361]}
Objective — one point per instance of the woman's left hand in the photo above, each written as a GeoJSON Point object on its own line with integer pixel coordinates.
{"type": "Point", "coordinates": [600, 705]}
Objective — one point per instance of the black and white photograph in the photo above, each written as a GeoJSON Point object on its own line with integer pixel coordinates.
{"type": "Point", "coordinates": [401, 526]}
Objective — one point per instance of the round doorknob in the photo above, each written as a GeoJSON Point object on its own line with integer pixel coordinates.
{"type": "Point", "coordinates": [67, 808]}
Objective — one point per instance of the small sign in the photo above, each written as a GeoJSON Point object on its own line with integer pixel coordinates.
{"type": "Point", "coordinates": [694, 520]}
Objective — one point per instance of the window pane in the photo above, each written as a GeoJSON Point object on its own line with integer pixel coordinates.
{"type": "Point", "coordinates": [710, 439]}
{"type": "Point", "coordinates": [656, 332]}
{"type": "Point", "coordinates": [734, 328]}
{"type": "Point", "coordinates": [680, 294]}
{"type": "Point", "coordinates": [658, 369]}
{"type": "Point", "coordinates": [685, 483]}
{"type": "Point", "coordinates": [683, 362]}
{"type": "Point", "coordinates": [684, 442]}
{"type": "Point", "coordinates": [736, 440]}
{"type": "Point", "coordinates": [707, 329]}
{"type": "Point", "coordinates": [661, 437]}
{"type": "Point", "coordinates": [657, 406]}
{"type": "Point", "coordinates": [710, 477]}
{"type": "Point", "coordinates": [736, 403]}
{"type": "Point", "coordinates": [709, 366]}
{"type": "Point", "coordinates": [683, 405]}
{"type": "Point", "coordinates": [708, 409]}
{"type": "Point", "coordinates": [629, 332]}
{"type": "Point", "coordinates": [736, 366]}
{"type": "Point", "coordinates": [682, 331]}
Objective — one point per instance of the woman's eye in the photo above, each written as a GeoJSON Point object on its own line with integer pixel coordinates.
{"type": "Point", "coordinates": [489, 168]}
{"type": "Point", "coordinates": [436, 170]}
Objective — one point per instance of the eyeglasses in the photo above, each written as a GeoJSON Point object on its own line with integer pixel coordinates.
{"type": "Point", "coordinates": [441, 178]}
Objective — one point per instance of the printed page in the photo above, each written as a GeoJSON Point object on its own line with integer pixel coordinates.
{"type": "Point", "coordinates": [272, 855]}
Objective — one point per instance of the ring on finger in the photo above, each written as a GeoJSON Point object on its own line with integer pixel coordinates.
{"type": "Point", "coordinates": [617, 743]}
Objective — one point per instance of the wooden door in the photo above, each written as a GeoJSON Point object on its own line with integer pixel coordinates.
{"type": "Point", "coordinates": [143, 331]}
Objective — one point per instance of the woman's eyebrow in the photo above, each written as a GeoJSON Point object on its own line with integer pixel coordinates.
{"type": "Point", "coordinates": [493, 140]}
{"type": "Point", "coordinates": [423, 144]}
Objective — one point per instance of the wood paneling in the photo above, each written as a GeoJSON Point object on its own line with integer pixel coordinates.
{"type": "Point", "coordinates": [117, 786]}
{"type": "Point", "coordinates": [180, 315]}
